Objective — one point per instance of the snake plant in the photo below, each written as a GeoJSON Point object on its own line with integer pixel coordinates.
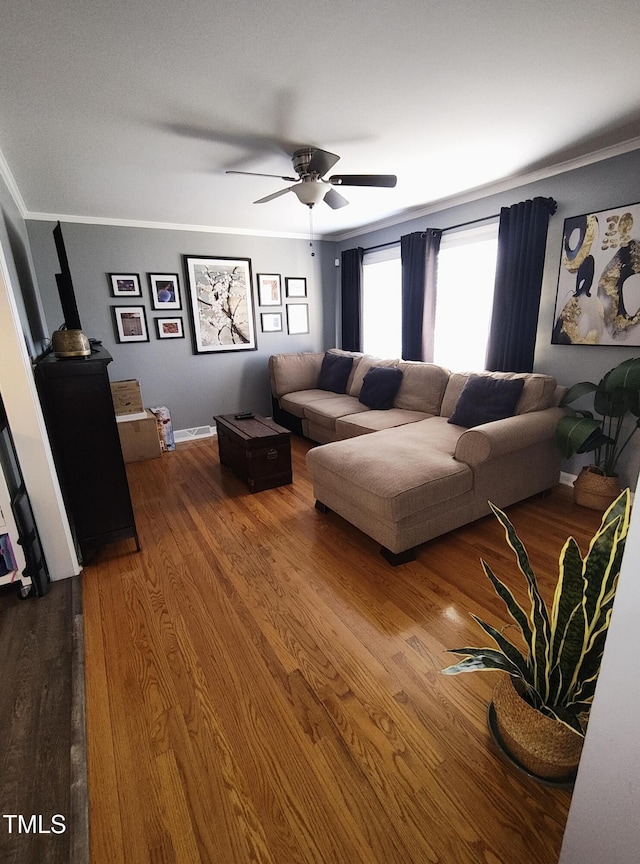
{"type": "Point", "coordinates": [564, 645]}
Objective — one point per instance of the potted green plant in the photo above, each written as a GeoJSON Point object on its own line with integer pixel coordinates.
{"type": "Point", "coordinates": [615, 398]}
{"type": "Point", "coordinates": [541, 706]}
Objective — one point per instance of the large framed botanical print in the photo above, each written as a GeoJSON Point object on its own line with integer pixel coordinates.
{"type": "Point", "coordinates": [220, 304]}
{"type": "Point", "coordinates": [598, 298]}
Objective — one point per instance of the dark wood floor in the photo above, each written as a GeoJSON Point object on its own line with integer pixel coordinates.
{"type": "Point", "coordinates": [36, 661]}
{"type": "Point", "coordinates": [263, 687]}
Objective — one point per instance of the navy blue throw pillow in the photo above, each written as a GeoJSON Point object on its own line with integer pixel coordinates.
{"type": "Point", "coordinates": [485, 399]}
{"type": "Point", "coordinates": [379, 387]}
{"type": "Point", "coordinates": [334, 372]}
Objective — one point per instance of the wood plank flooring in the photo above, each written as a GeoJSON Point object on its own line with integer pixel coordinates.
{"type": "Point", "coordinates": [263, 687]}
{"type": "Point", "coordinates": [36, 644]}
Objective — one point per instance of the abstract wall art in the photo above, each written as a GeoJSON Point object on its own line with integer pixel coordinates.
{"type": "Point", "coordinates": [598, 298]}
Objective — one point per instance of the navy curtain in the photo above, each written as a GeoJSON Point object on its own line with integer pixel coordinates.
{"type": "Point", "coordinates": [522, 240]}
{"type": "Point", "coordinates": [419, 256]}
{"type": "Point", "coordinates": [351, 290]}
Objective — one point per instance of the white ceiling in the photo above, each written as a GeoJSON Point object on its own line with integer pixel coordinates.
{"type": "Point", "coordinates": [132, 111]}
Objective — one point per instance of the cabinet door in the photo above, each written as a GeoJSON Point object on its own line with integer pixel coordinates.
{"type": "Point", "coordinates": [80, 419]}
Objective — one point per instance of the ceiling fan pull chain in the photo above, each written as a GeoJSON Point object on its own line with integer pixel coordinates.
{"type": "Point", "coordinates": [311, 231]}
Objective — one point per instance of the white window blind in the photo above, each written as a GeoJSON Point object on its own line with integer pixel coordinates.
{"type": "Point", "coordinates": [464, 299]}
{"type": "Point", "coordinates": [382, 302]}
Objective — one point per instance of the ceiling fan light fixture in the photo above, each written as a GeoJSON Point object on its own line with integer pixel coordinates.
{"type": "Point", "coordinates": [310, 192]}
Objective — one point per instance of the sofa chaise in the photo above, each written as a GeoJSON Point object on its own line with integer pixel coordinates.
{"type": "Point", "coordinates": [425, 455]}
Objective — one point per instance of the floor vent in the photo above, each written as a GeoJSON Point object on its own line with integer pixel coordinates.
{"type": "Point", "coordinates": [192, 434]}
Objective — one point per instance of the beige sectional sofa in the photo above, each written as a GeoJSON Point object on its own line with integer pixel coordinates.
{"type": "Point", "coordinates": [406, 474]}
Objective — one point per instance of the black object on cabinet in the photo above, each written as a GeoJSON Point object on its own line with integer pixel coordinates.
{"type": "Point", "coordinates": [78, 409]}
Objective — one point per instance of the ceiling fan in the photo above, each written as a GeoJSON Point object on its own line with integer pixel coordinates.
{"type": "Point", "coordinates": [311, 164]}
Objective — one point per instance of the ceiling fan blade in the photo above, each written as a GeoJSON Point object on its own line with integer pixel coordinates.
{"type": "Point", "coordinates": [257, 174]}
{"type": "Point", "coordinates": [335, 200]}
{"type": "Point", "coordinates": [321, 162]}
{"type": "Point", "coordinates": [386, 180]}
{"type": "Point", "coordinates": [273, 195]}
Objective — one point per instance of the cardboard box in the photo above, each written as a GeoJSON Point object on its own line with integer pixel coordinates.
{"type": "Point", "coordinates": [139, 439]}
{"type": "Point", "coordinates": [127, 398]}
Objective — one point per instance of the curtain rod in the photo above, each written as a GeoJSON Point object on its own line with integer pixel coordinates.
{"type": "Point", "coordinates": [450, 228]}
{"type": "Point", "coordinates": [471, 222]}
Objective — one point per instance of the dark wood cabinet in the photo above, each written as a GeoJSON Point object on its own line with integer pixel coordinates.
{"type": "Point", "coordinates": [78, 408]}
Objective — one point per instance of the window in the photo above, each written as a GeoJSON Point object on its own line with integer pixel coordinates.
{"type": "Point", "coordinates": [464, 299]}
{"type": "Point", "coordinates": [382, 302]}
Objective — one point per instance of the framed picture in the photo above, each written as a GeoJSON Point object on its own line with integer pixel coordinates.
{"type": "Point", "coordinates": [125, 284]}
{"type": "Point", "coordinates": [297, 318]}
{"type": "Point", "coordinates": [296, 287]}
{"type": "Point", "coordinates": [130, 323]}
{"type": "Point", "coordinates": [597, 301]}
{"type": "Point", "coordinates": [269, 289]}
{"type": "Point", "coordinates": [220, 304]}
{"type": "Point", "coordinates": [165, 290]}
{"type": "Point", "coordinates": [271, 322]}
{"type": "Point", "coordinates": [169, 328]}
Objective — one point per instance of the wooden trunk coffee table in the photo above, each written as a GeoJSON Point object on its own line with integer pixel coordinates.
{"type": "Point", "coordinates": [256, 449]}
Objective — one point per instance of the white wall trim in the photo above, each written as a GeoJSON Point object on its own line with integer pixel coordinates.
{"type": "Point", "coordinates": [30, 437]}
{"type": "Point", "coordinates": [180, 435]}
{"type": "Point", "coordinates": [12, 186]}
{"type": "Point", "coordinates": [465, 197]}
{"type": "Point", "coordinates": [567, 479]}
{"type": "Point", "coordinates": [493, 188]}
{"type": "Point", "coordinates": [163, 226]}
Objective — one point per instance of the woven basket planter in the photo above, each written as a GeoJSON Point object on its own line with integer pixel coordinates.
{"type": "Point", "coordinates": [543, 746]}
{"type": "Point", "coordinates": [595, 490]}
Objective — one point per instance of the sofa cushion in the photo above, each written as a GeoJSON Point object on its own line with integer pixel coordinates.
{"type": "Point", "coordinates": [325, 412]}
{"type": "Point", "coordinates": [538, 392]}
{"type": "Point", "coordinates": [289, 372]}
{"type": "Point", "coordinates": [334, 373]}
{"type": "Point", "coordinates": [422, 387]}
{"type": "Point", "coordinates": [379, 387]}
{"type": "Point", "coordinates": [485, 399]}
{"type": "Point", "coordinates": [396, 472]}
{"type": "Point", "coordinates": [366, 362]}
{"type": "Point", "coordinates": [295, 402]}
{"type": "Point", "coordinates": [373, 421]}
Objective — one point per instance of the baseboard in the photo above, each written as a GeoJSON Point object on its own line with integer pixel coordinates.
{"type": "Point", "coordinates": [567, 479]}
{"type": "Point", "coordinates": [198, 432]}
{"type": "Point", "coordinates": [192, 434]}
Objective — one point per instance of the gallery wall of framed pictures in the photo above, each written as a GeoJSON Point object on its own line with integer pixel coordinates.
{"type": "Point", "coordinates": [130, 322]}
{"type": "Point", "coordinates": [269, 294]}
{"type": "Point", "coordinates": [219, 298]}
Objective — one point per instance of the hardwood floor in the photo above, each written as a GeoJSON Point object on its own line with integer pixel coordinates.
{"type": "Point", "coordinates": [38, 764]}
{"type": "Point", "coordinates": [263, 687]}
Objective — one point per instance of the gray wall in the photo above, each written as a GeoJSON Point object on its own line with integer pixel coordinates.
{"type": "Point", "coordinates": [604, 185]}
{"type": "Point", "coordinates": [196, 387]}
{"type": "Point", "coordinates": [193, 387]}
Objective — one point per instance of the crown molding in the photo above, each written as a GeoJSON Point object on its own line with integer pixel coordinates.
{"type": "Point", "coordinates": [396, 218]}
{"type": "Point", "coordinates": [488, 189]}
{"type": "Point", "coordinates": [12, 186]}
{"type": "Point", "coordinates": [162, 226]}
